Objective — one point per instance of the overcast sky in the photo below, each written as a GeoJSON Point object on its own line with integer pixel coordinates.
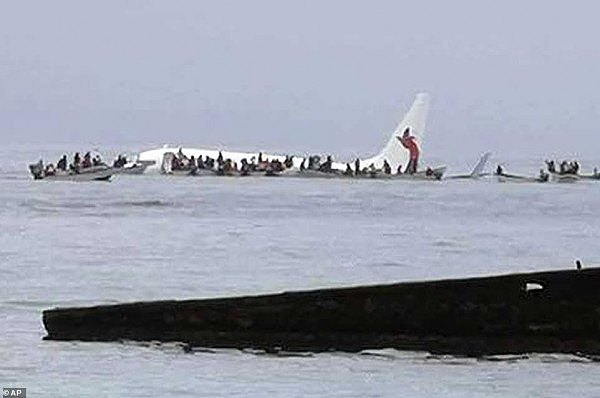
{"type": "Point", "coordinates": [518, 77]}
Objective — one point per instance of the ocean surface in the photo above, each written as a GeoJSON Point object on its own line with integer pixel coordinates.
{"type": "Point", "coordinates": [154, 237]}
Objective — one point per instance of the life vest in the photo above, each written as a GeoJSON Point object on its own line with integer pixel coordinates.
{"type": "Point", "coordinates": [410, 143]}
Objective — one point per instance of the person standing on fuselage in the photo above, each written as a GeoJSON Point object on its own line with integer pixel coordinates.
{"type": "Point", "coordinates": [410, 142]}
{"type": "Point", "coordinates": [357, 166]}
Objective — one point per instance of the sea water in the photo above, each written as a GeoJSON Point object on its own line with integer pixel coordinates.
{"type": "Point", "coordinates": [156, 237]}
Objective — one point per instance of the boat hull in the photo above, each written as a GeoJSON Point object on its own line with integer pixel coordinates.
{"type": "Point", "coordinates": [532, 312]}
{"type": "Point", "coordinates": [132, 169]}
{"type": "Point", "coordinates": [99, 173]}
{"type": "Point", "coordinates": [564, 178]}
{"type": "Point", "coordinates": [518, 179]}
{"type": "Point", "coordinates": [594, 177]}
{"type": "Point", "coordinates": [434, 175]}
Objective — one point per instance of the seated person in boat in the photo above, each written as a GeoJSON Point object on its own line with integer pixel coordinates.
{"type": "Point", "coordinates": [348, 171]}
{"type": "Point", "coordinates": [200, 162]}
{"type": "Point", "coordinates": [76, 165]}
{"type": "Point", "coordinates": [399, 170]}
{"type": "Point", "coordinates": [228, 167]}
{"type": "Point", "coordinates": [314, 162]}
{"type": "Point", "coordinates": [97, 161]}
{"type": "Point", "coordinates": [176, 163]}
{"type": "Point", "coordinates": [544, 176]}
{"type": "Point", "coordinates": [274, 167]}
{"type": "Point", "coordinates": [120, 161]}
{"type": "Point", "coordinates": [49, 170]}
{"type": "Point", "coordinates": [192, 163]}
{"type": "Point", "coordinates": [564, 167]}
{"type": "Point", "coordinates": [499, 170]}
{"type": "Point", "coordinates": [596, 172]}
{"type": "Point", "coordinates": [87, 161]}
{"type": "Point", "coordinates": [303, 165]}
{"type": "Point", "coordinates": [387, 169]}
{"type": "Point", "coordinates": [245, 167]}
{"type": "Point", "coordinates": [288, 162]}
{"type": "Point", "coordinates": [62, 163]}
{"type": "Point", "coordinates": [37, 169]}
{"type": "Point", "coordinates": [326, 166]}
{"type": "Point", "coordinates": [263, 163]}
{"type": "Point", "coordinates": [209, 163]}
{"type": "Point", "coordinates": [551, 166]}
{"type": "Point", "coordinates": [277, 166]}
{"type": "Point", "coordinates": [373, 170]}
{"type": "Point", "coordinates": [575, 167]}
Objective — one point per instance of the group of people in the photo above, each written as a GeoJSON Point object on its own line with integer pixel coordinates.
{"type": "Point", "coordinates": [564, 167]}
{"type": "Point", "coordinates": [120, 161]}
{"type": "Point", "coordinates": [260, 164]}
{"type": "Point", "coordinates": [76, 166]}
{"type": "Point", "coordinates": [222, 166]}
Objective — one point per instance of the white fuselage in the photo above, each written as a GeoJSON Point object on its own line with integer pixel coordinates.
{"type": "Point", "coordinates": [157, 155]}
{"type": "Point", "coordinates": [393, 152]}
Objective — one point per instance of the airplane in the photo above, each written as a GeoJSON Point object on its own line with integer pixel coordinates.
{"type": "Point", "coordinates": [478, 170]}
{"type": "Point", "coordinates": [413, 124]}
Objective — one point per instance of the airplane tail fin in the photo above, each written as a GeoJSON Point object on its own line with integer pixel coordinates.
{"type": "Point", "coordinates": [480, 166]}
{"type": "Point", "coordinates": [414, 122]}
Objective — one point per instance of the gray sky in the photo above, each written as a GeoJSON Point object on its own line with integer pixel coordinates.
{"type": "Point", "coordinates": [520, 78]}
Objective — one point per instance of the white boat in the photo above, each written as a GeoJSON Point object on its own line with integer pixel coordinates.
{"type": "Point", "coordinates": [594, 177]}
{"type": "Point", "coordinates": [431, 174]}
{"type": "Point", "coordinates": [94, 173]}
{"type": "Point", "coordinates": [132, 168]}
{"type": "Point", "coordinates": [515, 178]}
{"type": "Point", "coordinates": [564, 178]}
{"type": "Point", "coordinates": [413, 124]}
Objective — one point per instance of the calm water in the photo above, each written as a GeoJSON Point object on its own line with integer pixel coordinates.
{"type": "Point", "coordinates": [152, 237]}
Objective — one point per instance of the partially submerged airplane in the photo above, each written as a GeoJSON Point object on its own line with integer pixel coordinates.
{"type": "Point", "coordinates": [407, 135]}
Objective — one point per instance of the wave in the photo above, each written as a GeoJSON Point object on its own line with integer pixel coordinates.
{"type": "Point", "coordinates": [143, 203]}
{"type": "Point", "coordinates": [47, 206]}
{"type": "Point", "coordinates": [386, 354]}
{"type": "Point", "coordinates": [36, 304]}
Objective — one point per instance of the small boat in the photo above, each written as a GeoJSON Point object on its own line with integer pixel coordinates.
{"type": "Point", "coordinates": [431, 174]}
{"type": "Point", "coordinates": [595, 177]}
{"type": "Point", "coordinates": [434, 174]}
{"type": "Point", "coordinates": [132, 168]}
{"type": "Point", "coordinates": [94, 173]}
{"type": "Point", "coordinates": [564, 178]}
{"type": "Point", "coordinates": [515, 178]}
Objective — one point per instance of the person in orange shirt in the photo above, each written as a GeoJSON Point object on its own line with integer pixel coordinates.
{"type": "Point", "coordinates": [410, 142]}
